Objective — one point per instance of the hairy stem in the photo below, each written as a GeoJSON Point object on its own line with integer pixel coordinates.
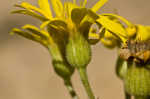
{"type": "Point", "coordinates": [70, 88]}
{"type": "Point", "coordinates": [85, 82]}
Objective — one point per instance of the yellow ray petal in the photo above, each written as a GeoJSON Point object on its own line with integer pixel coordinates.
{"type": "Point", "coordinates": [45, 6]}
{"type": "Point", "coordinates": [94, 35]}
{"type": "Point", "coordinates": [143, 33]}
{"type": "Point", "coordinates": [36, 31]}
{"type": "Point", "coordinates": [30, 13]}
{"type": "Point", "coordinates": [109, 43]}
{"type": "Point", "coordinates": [114, 27]}
{"type": "Point", "coordinates": [68, 6]}
{"type": "Point", "coordinates": [57, 7]}
{"type": "Point", "coordinates": [129, 24]}
{"type": "Point", "coordinates": [44, 24]}
{"type": "Point", "coordinates": [98, 5]}
{"type": "Point", "coordinates": [83, 3]}
{"type": "Point", "coordinates": [25, 34]}
{"type": "Point", "coordinates": [28, 6]}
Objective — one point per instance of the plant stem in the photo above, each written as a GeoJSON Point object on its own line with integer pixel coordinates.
{"type": "Point", "coordinates": [85, 82]}
{"type": "Point", "coordinates": [127, 96]}
{"type": "Point", "coordinates": [141, 97]}
{"type": "Point", "coordinates": [70, 88]}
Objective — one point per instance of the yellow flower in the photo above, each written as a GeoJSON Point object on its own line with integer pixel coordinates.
{"type": "Point", "coordinates": [68, 16]}
{"type": "Point", "coordinates": [56, 29]}
{"type": "Point", "coordinates": [118, 31]}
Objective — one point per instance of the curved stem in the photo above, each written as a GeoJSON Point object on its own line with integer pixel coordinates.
{"type": "Point", "coordinates": [85, 82]}
{"type": "Point", "coordinates": [70, 88]}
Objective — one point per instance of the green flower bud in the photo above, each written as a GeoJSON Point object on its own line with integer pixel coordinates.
{"type": "Point", "coordinates": [78, 51]}
{"type": "Point", "coordinates": [63, 69]}
{"type": "Point", "coordinates": [121, 68]}
{"type": "Point", "coordinates": [137, 80]}
{"type": "Point", "coordinates": [60, 64]}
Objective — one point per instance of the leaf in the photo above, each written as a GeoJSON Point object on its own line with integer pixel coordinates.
{"type": "Point", "coordinates": [98, 5]}
{"type": "Point", "coordinates": [57, 7]}
{"type": "Point", "coordinates": [30, 13]}
{"type": "Point", "coordinates": [45, 6]}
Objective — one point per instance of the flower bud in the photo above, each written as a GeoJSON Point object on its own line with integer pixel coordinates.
{"type": "Point", "coordinates": [137, 80]}
{"type": "Point", "coordinates": [121, 68]}
{"type": "Point", "coordinates": [63, 69]}
{"type": "Point", "coordinates": [60, 64]}
{"type": "Point", "coordinates": [78, 51]}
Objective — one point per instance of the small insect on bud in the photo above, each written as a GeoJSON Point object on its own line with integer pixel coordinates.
{"type": "Point", "coordinates": [138, 51]}
{"type": "Point", "coordinates": [78, 51]}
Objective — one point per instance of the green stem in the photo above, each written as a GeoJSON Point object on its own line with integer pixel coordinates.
{"type": "Point", "coordinates": [70, 88]}
{"type": "Point", "coordinates": [127, 96]}
{"type": "Point", "coordinates": [85, 82]}
{"type": "Point", "coordinates": [141, 97]}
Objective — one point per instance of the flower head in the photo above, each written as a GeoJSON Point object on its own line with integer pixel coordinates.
{"type": "Point", "coordinates": [67, 18]}
{"type": "Point", "coordinates": [57, 29]}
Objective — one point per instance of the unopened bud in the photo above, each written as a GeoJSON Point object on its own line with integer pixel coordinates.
{"type": "Point", "coordinates": [137, 80]}
{"type": "Point", "coordinates": [78, 51]}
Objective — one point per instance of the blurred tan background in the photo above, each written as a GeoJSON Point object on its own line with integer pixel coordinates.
{"type": "Point", "coordinates": [25, 67]}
